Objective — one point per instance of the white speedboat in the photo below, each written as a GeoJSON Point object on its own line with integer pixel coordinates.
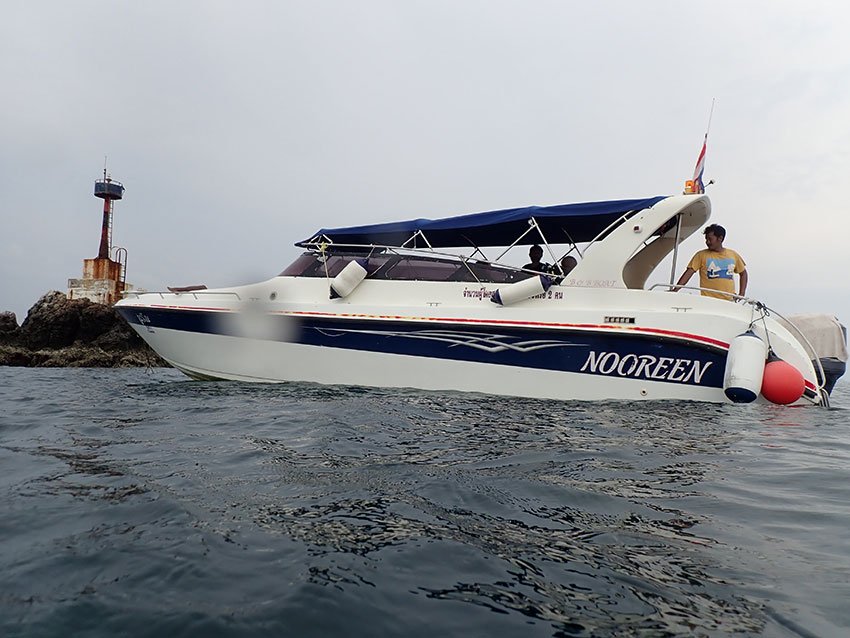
{"type": "Point", "coordinates": [418, 304]}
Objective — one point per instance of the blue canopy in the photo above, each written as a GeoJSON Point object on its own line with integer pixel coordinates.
{"type": "Point", "coordinates": [560, 224]}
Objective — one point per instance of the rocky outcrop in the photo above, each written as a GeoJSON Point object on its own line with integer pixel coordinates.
{"type": "Point", "coordinates": [8, 326]}
{"type": "Point", "coordinates": [62, 332]}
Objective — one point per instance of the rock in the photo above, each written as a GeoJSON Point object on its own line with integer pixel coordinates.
{"type": "Point", "coordinates": [120, 336]}
{"type": "Point", "coordinates": [8, 327]}
{"type": "Point", "coordinates": [53, 322]}
{"type": "Point", "coordinates": [13, 356]}
{"type": "Point", "coordinates": [95, 320]}
{"type": "Point", "coordinates": [62, 332]}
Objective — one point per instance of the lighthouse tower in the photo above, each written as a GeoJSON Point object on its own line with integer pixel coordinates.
{"type": "Point", "coordinates": [104, 277]}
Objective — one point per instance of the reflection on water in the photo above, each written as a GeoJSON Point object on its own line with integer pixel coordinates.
{"type": "Point", "coordinates": [588, 541]}
{"type": "Point", "coordinates": [347, 510]}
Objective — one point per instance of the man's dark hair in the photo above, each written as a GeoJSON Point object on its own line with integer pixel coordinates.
{"type": "Point", "coordinates": [715, 229]}
{"type": "Point", "coordinates": [535, 249]}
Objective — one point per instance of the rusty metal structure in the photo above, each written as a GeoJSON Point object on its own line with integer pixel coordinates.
{"type": "Point", "coordinates": [105, 276]}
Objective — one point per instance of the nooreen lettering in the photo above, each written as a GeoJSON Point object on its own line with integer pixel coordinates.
{"type": "Point", "coordinates": [646, 366]}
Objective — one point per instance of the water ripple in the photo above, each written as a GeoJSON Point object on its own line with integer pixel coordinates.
{"type": "Point", "coordinates": [138, 501]}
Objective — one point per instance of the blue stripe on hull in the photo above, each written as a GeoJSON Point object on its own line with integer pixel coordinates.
{"type": "Point", "coordinates": [611, 354]}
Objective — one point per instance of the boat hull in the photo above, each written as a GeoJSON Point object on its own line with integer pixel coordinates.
{"type": "Point", "coordinates": [538, 349]}
{"type": "Point", "coordinates": [201, 356]}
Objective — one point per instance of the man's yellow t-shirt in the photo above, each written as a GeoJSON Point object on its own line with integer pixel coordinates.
{"type": "Point", "coordinates": [716, 270]}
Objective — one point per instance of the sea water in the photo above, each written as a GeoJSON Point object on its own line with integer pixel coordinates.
{"type": "Point", "coordinates": [140, 503]}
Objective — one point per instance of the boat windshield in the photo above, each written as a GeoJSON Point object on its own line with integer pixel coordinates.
{"type": "Point", "coordinates": [400, 267]}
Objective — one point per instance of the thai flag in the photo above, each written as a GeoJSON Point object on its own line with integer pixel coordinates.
{"type": "Point", "coordinates": [699, 187]}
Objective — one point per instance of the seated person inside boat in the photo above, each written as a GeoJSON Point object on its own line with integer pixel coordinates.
{"type": "Point", "coordinates": [535, 254]}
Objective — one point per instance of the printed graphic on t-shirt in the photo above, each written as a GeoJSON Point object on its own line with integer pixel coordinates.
{"type": "Point", "coordinates": [720, 268]}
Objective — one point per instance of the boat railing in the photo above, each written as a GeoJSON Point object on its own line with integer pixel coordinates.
{"type": "Point", "coordinates": [807, 345]}
{"type": "Point", "coordinates": [322, 247]}
{"type": "Point", "coordinates": [196, 294]}
{"type": "Point", "coordinates": [676, 288]}
{"type": "Point", "coordinates": [810, 350]}
{"type": "Point", "coordinates": [464, 260]}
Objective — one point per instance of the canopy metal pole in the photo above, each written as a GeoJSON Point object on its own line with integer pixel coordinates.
{"type": "Point", "coordinates": [532, 225]}
{"type": "Point", "coordinates": [545, 243]}
{"type": "Point", "coordinates": [676, 249]}
{"type": "Point", "coordinates": [413, 237]}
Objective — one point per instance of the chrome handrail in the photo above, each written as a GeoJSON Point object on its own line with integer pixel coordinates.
{"type": "Point", "coordinates": [677, 287]}
{"type": "Point", "coordinates": [194, 293]}
{"type": "Point", "coordinates": [807, 345]}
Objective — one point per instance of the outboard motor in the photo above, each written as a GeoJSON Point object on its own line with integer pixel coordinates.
{"type": "Point", "coordinates": [833, 370]}
{"type": "Point", "coordinates": [829, 340]}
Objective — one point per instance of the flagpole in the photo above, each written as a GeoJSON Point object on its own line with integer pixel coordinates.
{"type": "Point", "coordinates": [710, 113]}
{"type": "Point", "coordinates": [676, 238]}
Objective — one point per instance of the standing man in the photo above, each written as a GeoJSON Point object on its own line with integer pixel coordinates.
{"type": "Point", "coordinates": [716, 266]}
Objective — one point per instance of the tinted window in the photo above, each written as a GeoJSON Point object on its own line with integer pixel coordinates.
{"type": "Point", "coordinates": [401, 267]}
{"type": "Point", "coordinates": [421, 269]}
{"type": "Point", "coordinates": [300, 266]}
{"type": "Point", "coordinates": [309, 265]}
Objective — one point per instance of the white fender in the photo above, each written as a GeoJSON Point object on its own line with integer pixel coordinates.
{"type": "Point", "coordinates": [506, 295]}
{"type": "Point", "coordinates": [744, 368]}
{"type": "Point", "coordinates": [348, 278]}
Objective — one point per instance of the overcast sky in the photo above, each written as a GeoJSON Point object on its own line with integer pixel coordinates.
{"type": "Point", "coordinates": [240, 128]}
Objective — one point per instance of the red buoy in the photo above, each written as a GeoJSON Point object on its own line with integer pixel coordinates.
{"type": "Point", "coordinates": [782, 383]}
